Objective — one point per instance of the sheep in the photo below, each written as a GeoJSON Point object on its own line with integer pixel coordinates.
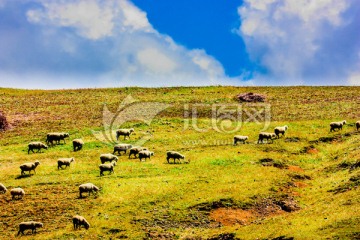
{"type": "Point", "coordinates": [17, 193]}
{"type": "Point", "coordinates": [123, 147]}
{"type": "Point", "coordinates": [124, 132]}
{"type": "Point", "coordinates": [280, 130]}
{"type": "Point", "coordinates": [174, 155]}
{"type": "Point", "coordinates": [337, 125]}
{"type": "Point", "coordinates": [65, 161]}
{"type": "Point", "coordinates": [238, 138]}
{"type": "Point", "coordinates": [56, 136]}
{"type": "Point", "coordinates": [88, 187]}
{"type": "Point", "coordinates": [28, 167]}
{"type": "Point", "coordinates": [135, 150]}
{"type": "Point", "coordinates": [145, 154]}
{"type": "Point", "coordinates": [36, 145]}
{"type": "Point", "coordinates": [2, 188]}
{"type": "Point", "coordinates": [108, 157]}
{"type": "Point", "coordinates": [267, 136]}
{"type": "Point", "coordinates": [78, 144]}
{"type": "Point", "coordinates": [79, 221]}
{"type": "Point", "coordinates": [357, 124]}
{"type": "Point", "coordinates": [109, 167]}
{"type": "Point", "coordinates": [29, 225]}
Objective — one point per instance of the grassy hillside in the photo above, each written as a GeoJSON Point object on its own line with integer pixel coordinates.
{"type": "Point", "coordinates": [303, 185]}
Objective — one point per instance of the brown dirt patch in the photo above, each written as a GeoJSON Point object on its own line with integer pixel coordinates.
{"type": "Point", "coordinates": [229, 216]}
{"type": "Point", "coordinates": [312, 151]}
{"type": "Point", "coordinates": [264, 208]}
{"type": "Point", "coordinates": [300, 184]}
{"type": "Point", "coordinates": [295, 169]}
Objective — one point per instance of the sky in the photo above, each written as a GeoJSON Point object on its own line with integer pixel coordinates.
{"type": "Point", "coordinates": [153, 43]}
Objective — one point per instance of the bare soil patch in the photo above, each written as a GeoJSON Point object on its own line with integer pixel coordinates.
{"type": "Point", "coordinates": [230, 217]}
{"type": "Point", "coordinates": [295, 169]}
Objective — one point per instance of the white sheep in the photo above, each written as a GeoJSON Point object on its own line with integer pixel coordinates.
{"type": "Point", "coordinates": [357, 124]}
{"type": "Point", "coordinates": [267, 136]}
{"type": "Point", "coordinates": [280, 130]}
{"type": "Point", "coordinates": [108, 167]}
{"type": "Point", "coordinates": [124, 132]}
{"type": "Point", "coordinates": [17, 193]}
{"type": "Point", "coordinates": [36, 145]}
{"type": "Point", "coordinates": [145, 154]}
{"type": "Point", "coordinates": [108, 157]}
{"type": "Point", "coordinates": [135, 150]}
{"type": "Point", "coordinates": [337, 125]}
{"type": "Point", "coordinates": [174, 155]}
{"type": "Point", "coordinates": [28, 167]}
{"type": "Point", "coordinates": [88, 187]}
{"type": "Point", "coordinates": [78, 144]}
{"type": "Point", "coordinates": [79, 221]}
{"type": "Point", "coordinates": [123, 147]}
{"type": "Point", "coordinates": [65, 162]}
{"type": "Point", "coordinates": [29, 225]}
{"type": "Point", "coordinates": [239, 138]}
{"type": "Point", "coordinates": [56, 136]}
{"type": "Point", "coordinates": [2, 188]}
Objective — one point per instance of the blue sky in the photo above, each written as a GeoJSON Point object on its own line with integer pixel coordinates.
{"type": "Point", "coordinates": [114, 43]}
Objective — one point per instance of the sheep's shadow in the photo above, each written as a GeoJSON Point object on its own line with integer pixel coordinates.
{"type": "Point", "coordinates": [87, 197]}
{"type": "Point", "coordinates": [24, 176]}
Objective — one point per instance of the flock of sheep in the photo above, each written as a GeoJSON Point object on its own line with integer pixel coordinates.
{"type": "Point", "coordinates": [108, 162]}
{"type": "Point", "coordinates": [55, 138]}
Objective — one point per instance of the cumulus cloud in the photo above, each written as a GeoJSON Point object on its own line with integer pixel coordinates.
{"type": "Point", "coordinates": [106, 43]}
{"type": "Point", "coordinates": [303, 41]}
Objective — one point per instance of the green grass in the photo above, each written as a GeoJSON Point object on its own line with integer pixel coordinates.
{"type": "Point", "coordinates": [154, 199]}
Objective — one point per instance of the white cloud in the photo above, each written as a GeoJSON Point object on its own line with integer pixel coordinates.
{"type": "Point", "coordinates": [293, 41]}
{"type": "Point", "coordinates": [156, 61]}
{"type": "Point", "coordinates": [92, 20]}
{"type": "Point", "coordinates": [134, 18]}
{"type": "Point", "coordinates": [354, 79]}
{"type": "Point", "coordinates": [136, 53]}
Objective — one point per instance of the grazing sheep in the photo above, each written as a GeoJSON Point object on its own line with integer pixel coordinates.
{"type": "Point", "coordinates": [17, 193]}
{"type": "Point", "coordinates": [337, 125]}
{"type": "Point", "coordinates": [56, 136]}
{"type": "Point", "coordinates": [145, 154]}
{"type": "Point", "coordinates": [88, 187]}
{"type": "Point", "coordinates": [280, 130]}
{"type": "Point", "coordinates": [123, 147]}
{"type": "Point", "coordinates": [267, 136]}
{"type": "Point", "coordinates": [174, 155]}
{"type": "Point", "coordinates": [108, 157]}
{"type": "Point", "coordinates": [238, 138]}
{"type": "Point", "coordinates": [78, 144]}
{"type": "Point", "coordinates": [357, 124]}
{"type": "Point", "coordinates": [28, 167]}
{"type": "Point", "coordinates": [124, 132]}
{"type": "Point", "coordinates": [135, 150]}
{"type": "Point", "coordinates": [109, 167]}
{"type": "Point", "coordinates": [65, 161]}
{"type": "Point", "coordinates": [2, 188]}
{"type": "Point", "coordinates": [79, 221]}
{"type": "Point", "coordinates": [36, 145]}
{"type": "Point", "coordinates": [29, 225]}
